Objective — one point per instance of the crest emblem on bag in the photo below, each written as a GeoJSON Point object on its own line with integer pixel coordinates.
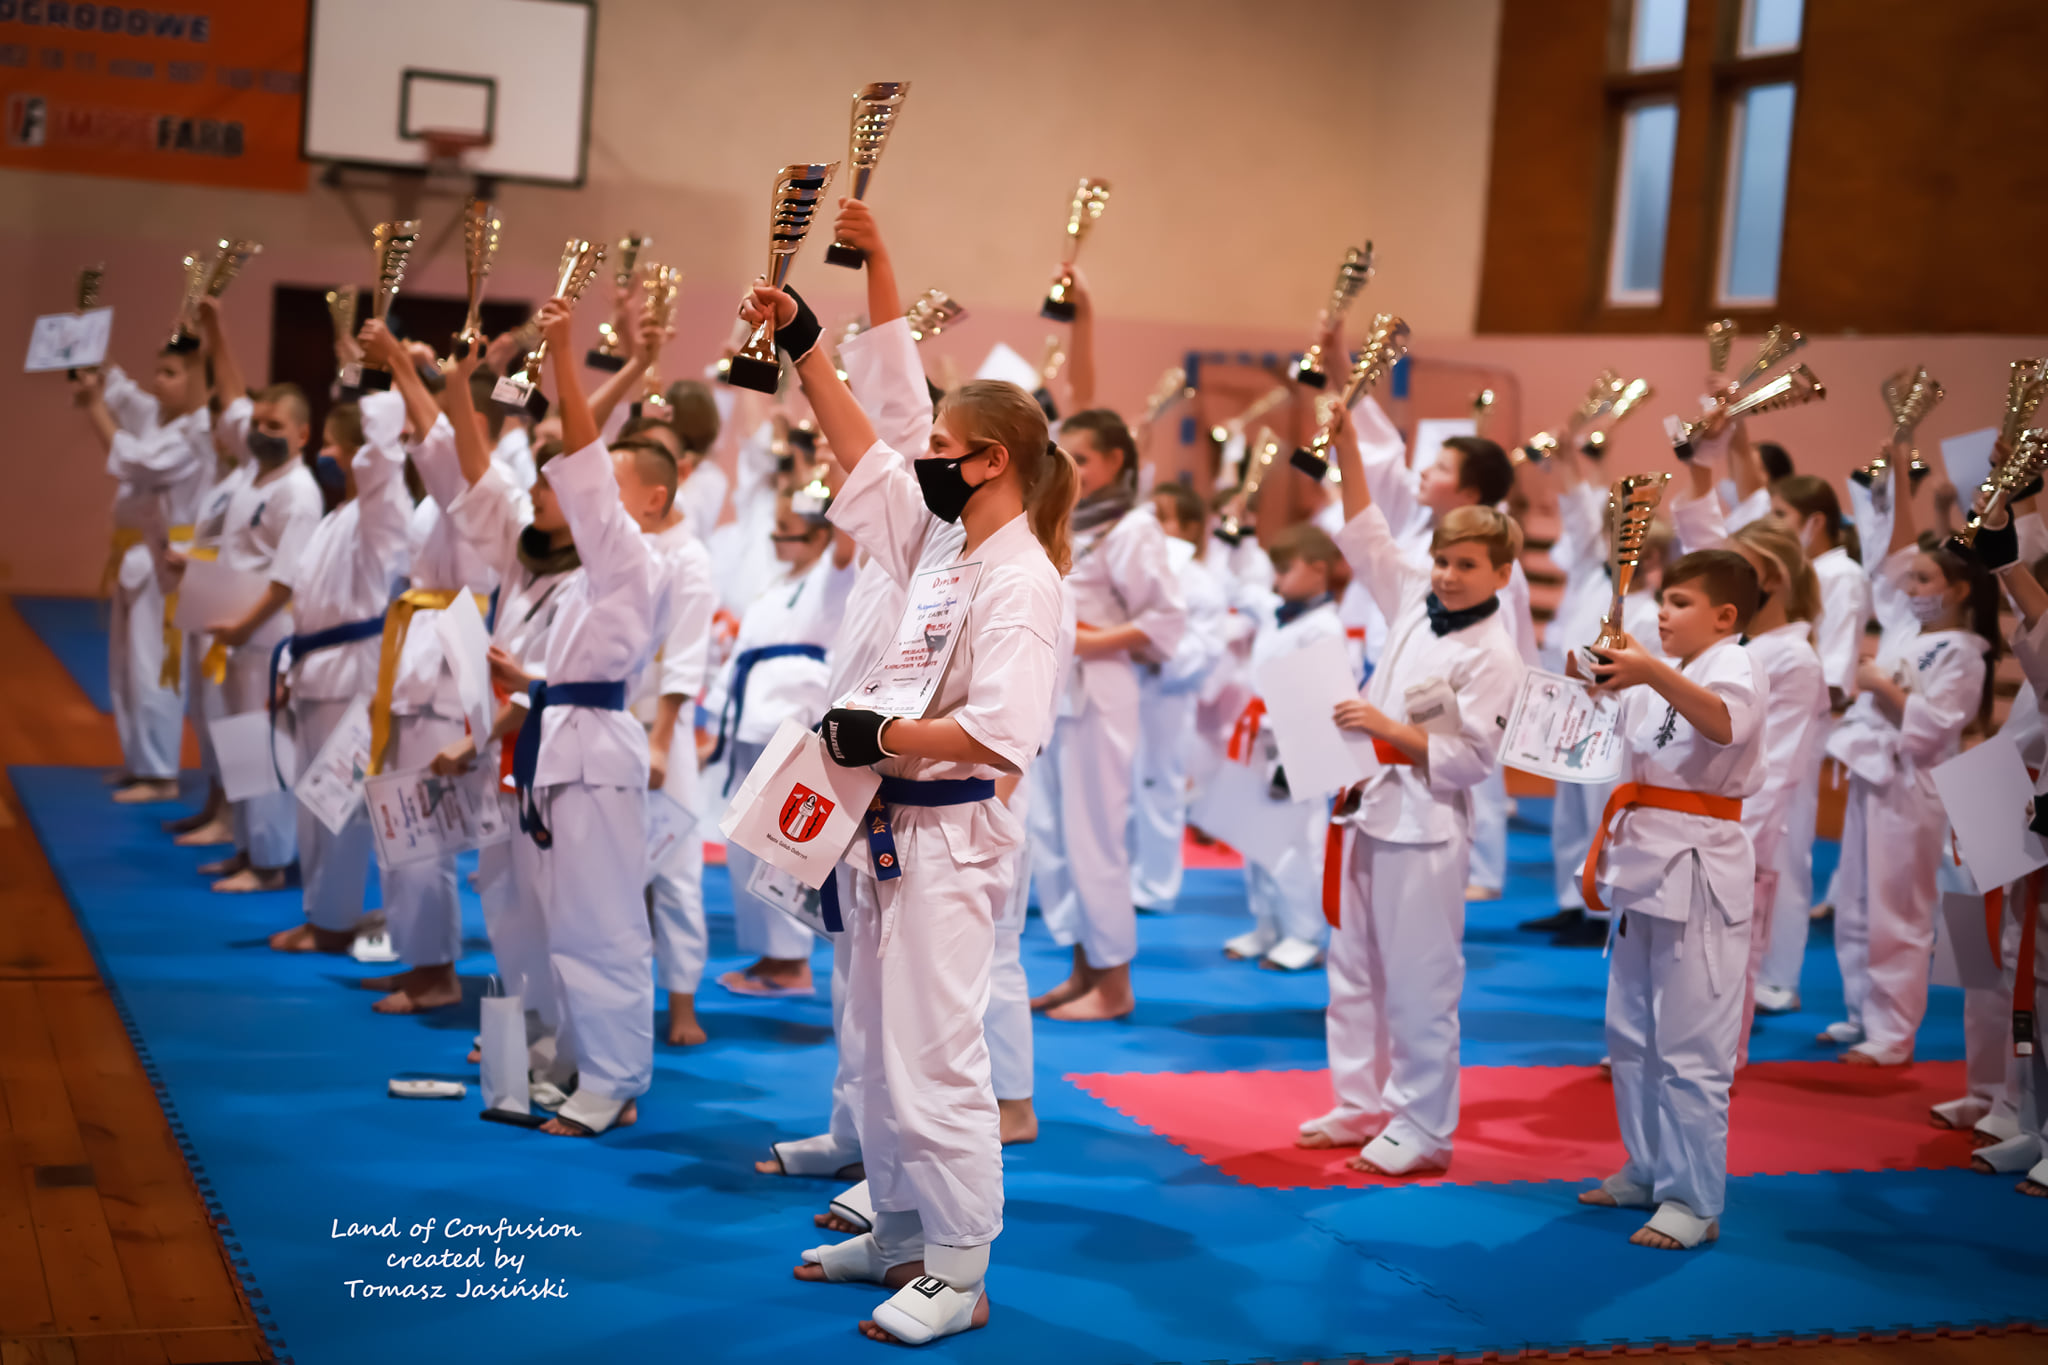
{"type": "Point", "coordinates": [803, 814]}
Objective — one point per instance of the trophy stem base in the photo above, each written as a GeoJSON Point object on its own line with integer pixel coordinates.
{"type": "Point", "coordinates": [1310, 463]}
{"type": "Point", "coordinates": [1046, 403]}
{"type": "Point", "coordinates": [536, 405]}
{"type": "Point", "coordinates": [1862, 478]}
{"type": "Point", "coordinates": [184, 343]}
{"type": "Point", "coordinates": [1058, 310]}
{"type": "Point", "coordinates": [751, 372]}
{"type": "Point", "coordinates": [1301, 373]}
{"type": "Point", "coordinates": [604, 360]}
{"type": "Point", "coordinates": [375, 381]}
{"type": "Point", "coordinates": [839, 253]}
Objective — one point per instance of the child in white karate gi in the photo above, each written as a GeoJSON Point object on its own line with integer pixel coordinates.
{"type": "Point", "coordinates": [1672, 860]}
{"type": "Point", "coordinates": [919, 967]}
{"type": "Point", "coordinates": [1394, 870]}
{"type": "Point", "coordinates": [159, 450]}
{"type": "Point", "coordinates": [1128, 608]}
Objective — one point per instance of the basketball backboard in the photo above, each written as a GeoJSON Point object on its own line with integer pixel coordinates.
{"type": "Point", "coordinates": [385, 77]}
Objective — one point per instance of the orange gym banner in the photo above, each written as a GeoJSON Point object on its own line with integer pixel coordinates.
{"type": "Point", "coordinates": [206, 92]}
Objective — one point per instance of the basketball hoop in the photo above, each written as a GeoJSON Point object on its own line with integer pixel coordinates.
{"type": "Point", "coordinates": [449, 150]}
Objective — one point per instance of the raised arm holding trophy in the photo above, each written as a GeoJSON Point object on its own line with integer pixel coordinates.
{"type": "Point", "coordinates": [1752, 391]}
{"type": "Point", "coordinates": [1353, 273]}
{"type": "Point", "coordinates": [393, 243]}
{"type": "Point", "coordinates": [792, 204]}
{"type": "Point", "coordinates": [1909, 396]}
{"type": "Point", "coordinates": [876, 108]}
{"type": "Point", "coordinates": [1385, 343]}
{"type": "Point", "coordinates": [580, 260]}
{"type": "Point", "coordinates": [610, 352]}
{"type": "Point", "coordinates": [1091, 197]}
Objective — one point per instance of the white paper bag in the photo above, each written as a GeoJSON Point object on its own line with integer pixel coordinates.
{"type": "Point", "coordinates": [212, 594]}
{"type": "Point", "coordinates": [798, 809]}
{"type": "Point", "coordinates": [1301, 689]}
{"type": "Point", "coordinates": [416, 817]}
{"type": "Point", "coordinates": [503, 1077]}
{"type": "Point", "coordinates": [332, 787]}
{"type": "Point", "coordinates": [242, 747]}
{"type": "Point", "coordinates": [783, 891]}
{"type": "Point", "coordinates": [1985, 791]}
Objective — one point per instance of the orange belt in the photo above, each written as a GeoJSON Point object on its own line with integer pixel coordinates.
{"type": "Point", "coordinates": [2023, 970]}
{"type": "Point", "coordinates": [1333, 840]}
{"type": "Point", "coordinates": [1630, 795]}
{"type": "Point", "coordinates": [1245, 732]}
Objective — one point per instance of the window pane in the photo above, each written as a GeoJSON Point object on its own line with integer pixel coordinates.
{"type": "Point", "coordinates": [1656, 36]}
{"type": "Point", "coordinates": [1643, 203]}
{"type": "Point", "coordinates": [1771, 25]}
{"type": "Point", "coordinates": [1760, 159]}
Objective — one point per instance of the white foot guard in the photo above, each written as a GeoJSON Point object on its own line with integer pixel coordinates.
{"type": "Point", "coordinates": [1292, 955]}
{"type": "Point", "coordinates": [1251, 946]}
{"type": "Point", "coordinates": [1683, 1226]}
{"type": "Point", "coordinates": [546, 1095]}
{"type": "Point", "coordinates": [1625, 1193]}
{"type": "Point", "coordinates": [594, 1112]}
{"type": "Point", "coordinates": [930, 1307]}
{"type": "Point", "coordinates": [1996, 1126]}
{"type": "Point", "coordinates": [2016, 1153]}
{"type": "Point", "coordinates": [2036, 1177]}
{"type": "Point", "coordinates": [856, 1206]}
{"type": "Point", "coordinates": [1963, 1113]}
{"type": "Point", "coordinates": [820, 1155]}
{"type": "Point", "coordinates": [1390, 1157]}
{"type": "Point", "coordinates": [1841, 1032]}
{"type": "Point", "coordinates": [860, 1260]}
{"type": "Point", "coordinates": [1776, 999]}
{"type": "Point", "coordinates": [1343, 1132]}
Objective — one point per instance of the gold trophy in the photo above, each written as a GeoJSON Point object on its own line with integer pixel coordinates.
{"type": "Point", "coordinates": [1596, 404]}
{"type": "Point", "coordinates": [1631, 506]}
{"type": "Point", "coordinates": [1751, 391]}
{"type": "Point", "coordinates": [88, 299]}
{"type": "Point", "coordinates": [1352, 276]}
{"type": "Point", "coordinates": [1385, 343]}
{"type": "Point", "coordinates": [1621, 403]}
{"type": "Point", "coordinates": [580, 260]}
{"type": "Point", "coordinates": [2014, 478]}
{"type": "Point", "coordinates": [206, 279]}
{"type": "Point", "coordinates": [342, 302]}
{"type": "Point", "coordinates": [1910, 395]}
{"type": "Point", "coordinates": [875, 110]}
{"type": "Point", "coordinates": [660, 284]}
{"type": "Point", "coordinates": [1720, 341]}
{"type": "Point", "coordinates": [2026, 386]}
{"type": "Point", "coordinates": [1090, 198]}
{"type": "Point", "coordinates": [931, 313]}
{"type": "Point", "coordinates": [479, 244]}
{"type": "Point", "coordinates": [393, 243]}
{"type": "Point", "coordinates": [1224, 433]}
{"type": "Point", "coordinates": [791, 205]}
{"type": "Point", "coordinates": [610, 352]}
{"type": "Point", "coordinates": [1172, 387]}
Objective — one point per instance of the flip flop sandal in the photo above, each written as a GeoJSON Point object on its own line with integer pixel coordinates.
{"type": "Point", "coordinates": [1683, 1226]}
{"type": "Point", "coordinates": [741, 983]}
{"type": "Point", "coordinates": [926, 1309]}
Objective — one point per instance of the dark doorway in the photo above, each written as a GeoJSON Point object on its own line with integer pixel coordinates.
{"type": "Point", "coordinates": [302, 334]}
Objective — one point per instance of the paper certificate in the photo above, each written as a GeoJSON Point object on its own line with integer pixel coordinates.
{"type": "Point", "coordinates": [904, 680]}
{"type": "Point", "coordinates": [211, 594]}
{"type": "Point", "coordinates": [332, 786]}
{"type": "Point", "coordinates": [668, 824]}
{"type": "Point", "coordinates": [1564, 730]}
{"type": "Point", "coordinates": [1985, 791]}
{"type": "Point", "coordinates": [1301, 690]}
{"type": "Point", "coordinates": [801, 903]}
{"type": "Point", "coordinates": [417, 817]}
{"type": "Point", "coordinates": [242, 748]}
{"type": "Point", "coordinates": [69, 341]}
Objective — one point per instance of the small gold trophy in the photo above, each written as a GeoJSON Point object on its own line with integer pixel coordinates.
{"type": "Point", "coordinates": [1385, 343]}
{"type": "Point", "coordinates": [1720, 341]}
{"type": "Point", "coordinates": [479, 244]}
{"type": "Point", "coordinates": [1750, 392]}
{"type": "Point", "coordinates": [931, 313]}
{"type": "Point", "coordinates": [88, 299]}
{"type": "Point", "coordinates": [1598, 402]}
{"type": "Point", "coordinates": [1624, 401]}
{"type": "Point", "coordinates": [1909, 395]}
{"type": "Point", "coordinates": [1090, 198]}
{"type": "Point", "coordinates": [342, 302]}
{"type": "Point", "coordinates": [1631, 506]}
{"type": "Point", "coordinates": [792, 204]}
{"type": "Point", "coordinates": [580, 260]}
{"type": "Point", "coordinates": [661, 284]}
{"type": "Point", "coordinates": [610, 352]}
{"type": "Point", "coordinates": [2026, 386]}
{"type": "Point", "coordinates": [1352, 276]}
{"type": "Point", "coordinates": [393, 243]}
{"type": "Point", "coordinates": [2012, 479]}
{"type": "Point", "coordinates": [875, 110]}
{"type": "Point", "coordinates": [1171, 388]}
{"type": "Point", "coordinates": [207, 279]}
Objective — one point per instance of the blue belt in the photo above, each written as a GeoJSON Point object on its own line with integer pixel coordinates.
{"type": "Point", "coordinates": [736, 697]}
{"type": "Point", "coordinates": [598, 696]}
{"type": "Point", "coordinates": [347, 633]}
{"type": "Point", "coordinates": [900, 791]}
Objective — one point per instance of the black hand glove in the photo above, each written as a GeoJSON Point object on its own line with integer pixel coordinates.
{"type": "Point", "coordinates": [1996, 548]}
{"type": "Point", "coordinates": [853, 737]}
{"type": "Point", "coordinates": [800, 337]}
{"type": "Point", "coordinates": [1277, 786]}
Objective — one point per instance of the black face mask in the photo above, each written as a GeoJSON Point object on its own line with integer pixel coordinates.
{"type": "Point", "coordinates": [267, 448]}
{"type": "Point", "coordinates": [945, 489]}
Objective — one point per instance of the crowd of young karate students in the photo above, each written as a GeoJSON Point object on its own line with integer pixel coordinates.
{"type": "Point", "coordinates": [653, 621]}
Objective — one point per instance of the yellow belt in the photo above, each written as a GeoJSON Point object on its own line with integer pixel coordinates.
{"type": "Point", "coordinates": [171, 675]}
{"type": "Point", "coordinates": [214, 667]}
{"type": "Point", "coordinates": [125, 539]}
{"type": "Point", "coordinates": [397, 621]}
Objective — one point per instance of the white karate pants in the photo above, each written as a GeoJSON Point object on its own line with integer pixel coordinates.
{"type": "Point", "coordinates": [1159, 795]}
{"type": "Point", "coordinates": [926, 1109]}
{"type": "Point", "coordinates": [205, 702]}
{"type": "Point", "coordinates": [149, 718]}
{"type": "Point", "coordinates": [1489, 855]}
{"type": "Point", "coordinates": [1989, 1066]}
{"type": "Point", "coordinates": [1396, 969]}
{"type": "Point", "coordinates": [1674, 1008]}
{"type": "Point", "coordinates": [1786, 921]}
{"type": "Point", "coordinates": [422, 909]}
{"type": "Point", "coordinates": [675, 889]}
{"type": "Point", "coordinates": [1892, 836]}
{"type": "Point", "coordinates": [267, 826]}
{"type": "Point", "coordinates": [1287, 898]}
{"type": "Point", "coordinates": [1575, 812]}
{"type": "Point", "coordinates": [511, 878]}
{"type": "Point", "coordinates": [759, 927]}
{"type": "Point", "coordinates": [1761, 898]}
{"type": "Point", "coordinates": [334, 867]}
{"type": "Point", "coordinates": [599, 946]}
{"type": "Point", "coordinates": [1007, 1023]}
{"type": "Point", "coordinates": [856, 899]}
{"type": "Point", "coordinates": [1077, 821]}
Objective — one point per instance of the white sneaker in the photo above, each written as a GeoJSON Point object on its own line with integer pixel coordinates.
{"type": "Point", "coordinates": [1841, 1032]}
{"type": "Point", "coordinates": [1775, 999]}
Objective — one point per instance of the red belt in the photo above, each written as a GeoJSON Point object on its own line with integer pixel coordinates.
{"type": "Point", "coordinates": [1333, 840]}
{"type": "Point", "coordinates": [1630, 795]}
{"type": "Point", "coordinates": [2023, 970]}
{"type": "Point", "coordinates": [1246, 732]}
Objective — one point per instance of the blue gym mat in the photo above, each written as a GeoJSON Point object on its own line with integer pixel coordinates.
{"type": "Point", "coordinates": [1119, 1247]}
{"type": "Point", "coordinates": [75, 629]}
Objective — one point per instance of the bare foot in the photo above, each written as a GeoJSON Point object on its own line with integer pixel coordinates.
{"type": "Point", "coordinates": [251, 879]}
{"type": "Point", "coordinates": [683, 1028]}
{"type": "Point", "coordinates": [771, 977]}
{"type": "Point", "coordinates": [215, 831]}
{"type": "Point", "coordinates": [147, 791]}
{"type": "Point", "coordinates": [1107, 997]}
{"type": "Point", "coordinates": [872, 1332]}
{"type": "Point", "coordinates": [1650, 1237]}
{"type": "Point", "coordinates": [1982, 1167]}
{"type": "Point", "coordinates": [422, 989]}
{"type": "Point", "coordinates": [475, 1057]}
{"type": "Point", "coordinates": [831, 1222]}
{"type": "Point", "coordinates": [1316, 1140]}
{"type": "Point", "coordinates": [561, 1127]}
{"type": "Point", "coordinates": [1364, 1167]}
{"type": "Point", "coordinates": [1017, 1122]}
{"type": "Point", "coordinates": [2033, 1189]}
{"type": "Point", "coordinates": [224, 867]}
{"type": "Point", "coordinates": [895, 1277]}
{"type": "Point", "coordinates": [1073, 988]}
{"type": "Point", "coordinates": [1482, 893]}
{"type": "Point", "coordinates": [311, 938]}
{"type": "Point", "coordinates": [1600, 1199]}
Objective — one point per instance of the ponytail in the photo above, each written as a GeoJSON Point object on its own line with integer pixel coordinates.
{"type": "Point", "coordinates": [1049, 500]}
{"type": "Point", "coordinates": [1981, 606]}
{"type": "Point", "coordinates": [999, 413]}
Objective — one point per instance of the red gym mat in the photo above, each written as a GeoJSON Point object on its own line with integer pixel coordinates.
{"type": "Point", "coordinates": [1553, 1123]}
{"type": "Point", "coordinates": [1217, 854]}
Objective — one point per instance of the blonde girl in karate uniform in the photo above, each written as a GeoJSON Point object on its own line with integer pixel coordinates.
{"type": "Point", "coordinates": [1930, 679]}
{"type": "Point", "coordinates": [919, 969]}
